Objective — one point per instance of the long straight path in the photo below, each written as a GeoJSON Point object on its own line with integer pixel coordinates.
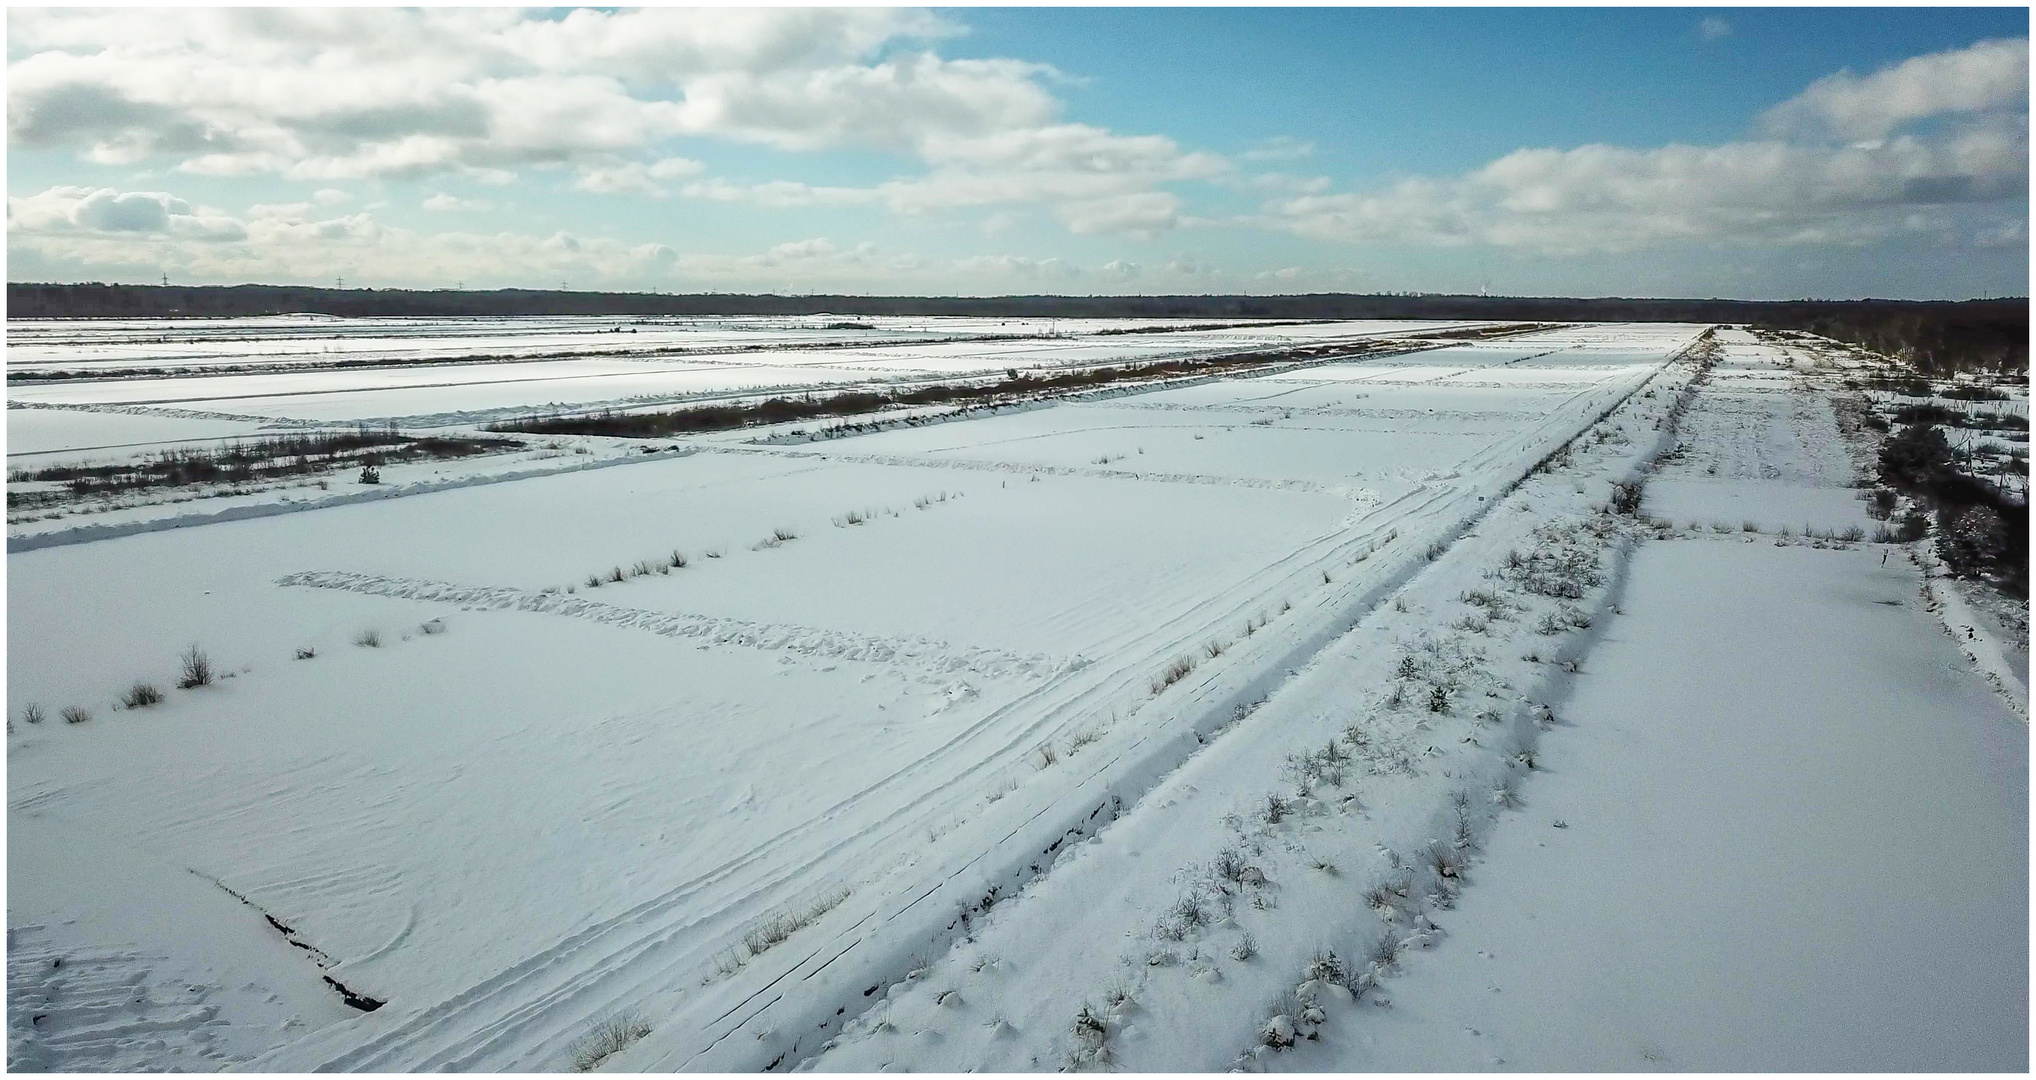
{"type": "Point", "coordinates": [1785, 829]}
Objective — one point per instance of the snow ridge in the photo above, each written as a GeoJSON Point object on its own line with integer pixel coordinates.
{"type": "Point", "coordinates": [805, 640]}
{"type": "Point", "coordinates": [1363, 496]}
{"type": "Point", "coordinates": [179, 414]}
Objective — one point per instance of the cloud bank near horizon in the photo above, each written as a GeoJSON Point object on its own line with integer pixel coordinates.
{"type": "Point", "coordinates": [615, 111]}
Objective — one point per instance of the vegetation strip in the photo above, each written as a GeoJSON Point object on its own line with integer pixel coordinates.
{"type": "Point", "coordinates": [1014, 386]}
{"type": "Point", "coordinates": [246, 462]}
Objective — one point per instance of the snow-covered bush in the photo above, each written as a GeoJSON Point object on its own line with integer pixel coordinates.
{"type": "Point", "coordinates": [608, 1038]}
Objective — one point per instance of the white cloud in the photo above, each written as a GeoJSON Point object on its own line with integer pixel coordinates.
{"type": "Point", "coordinates": [1992, 75]}
{"type": "Point", "coordinates": [103, 233]}
{"type": "Point", "coordinates": [1138, 213]}
{"type": "Point", "coordinates": [1607, 199]}
{"type": "Point", "coordinates": [443, 203]}
{"type": "Point", "coordinates": [996, 267]}
{"type": "Point", "coordinates": [778, 194]}
{"type": "Point", "coordinates": [109, 213]}
{"type": "Point", "coordinates": [383, 92]}
{"type": "Point", "coordinates": [1096, 181]}
{"type": "Point", "coordinates": [2007, 234]}
{"type": "Point", "coordinates": [1713, 28]}
{"type": "Point", "coordinates": [365, 93]}
{"type": "Point", "coordinates": [618, 177]}
{"type": "Point", "coordinates": [330, 197]}
{"type": "Point", "coordinates": [284, 241]}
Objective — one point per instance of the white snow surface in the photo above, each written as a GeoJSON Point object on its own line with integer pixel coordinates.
{"type": "Point", "coordinates": [969, 706]}
{"type": "Point", "coordinates": [446, 372]}
{"type": "Point", "coordinates": [1796, 843]}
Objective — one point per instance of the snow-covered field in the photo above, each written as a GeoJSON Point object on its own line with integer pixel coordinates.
{"type": "Point", "coordinates": [1816, 864]}
{"type": "Point", "coordinates": [899, 748]}
{"type": "Point", "coordinates": [436, 372]}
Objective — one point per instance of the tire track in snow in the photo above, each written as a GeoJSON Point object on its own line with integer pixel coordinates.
{"type": "Point", "coordinates": [1338, 411]}
{"type": "Point", "coordinates": [529, 1011]}
{"type": "Point", "coordinates": [788, 637]}
{"type": "Point", "coordinates": [177, 414]}
{"type": "Point", "coordinates": [1363, 496]}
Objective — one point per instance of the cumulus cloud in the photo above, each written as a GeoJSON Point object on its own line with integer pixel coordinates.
{"type": "Point", "coordinates": [290, 241]}
{"type": "Point", "coordinates": [443, 203]}
{"type": "Point", "coordinates": [1138, 213]}
{"type": "Point", "coordinates": [368, 93]}
{"type": "Point", "coordinates": [616, 177]}
{"type": "Point", "coordinates": [90, 231]}
{"type": "Point", "coordinates": [1989, 76]}
{"type": "Point", "coordinates": [1607, 199]}
{"type": "Point", "coordinates": [381, 92]}
{"type": "Point", "coordinates": [996, 267]}
{"type": "Point", "coordinates": [1097, 181]}
{"type": "Point", "coordinates": [126, 214]}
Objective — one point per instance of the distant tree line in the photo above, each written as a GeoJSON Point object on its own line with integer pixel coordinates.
{"type": "Point", "coordinates": [1938, 337]}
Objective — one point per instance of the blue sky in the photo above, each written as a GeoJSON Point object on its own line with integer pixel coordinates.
{"type": "Point", "coordinates": [1760, 153]}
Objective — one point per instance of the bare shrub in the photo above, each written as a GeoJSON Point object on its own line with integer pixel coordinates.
{"type": "Point", "coordinates": [1048, 756]}
{"type": "Point", "coordinates": [141, 695]}
{"type": "Point", "coordinates": [1090, 1030]}
{"type": "Point", "coordinates": [1212, 649]}
{"type": "Point", "coordinates": [32, 714]}
{"type": "Point", "coordinates": [306, 653]}
{"type": "Point", "coordinates": [1561, 568]}
{"type": "Point", "coordinates": [777, 929]}
{"type": "Point", "coordinates": [1245, 949]}
{"type": "Point", "coordinates": [1326, 966]}
{"type": "Point", "coordinates": [197, 669]}
{"type": "Point", "coordinates": [1173, 673]}
{"type": "Point", "coordinates": [1082, 738]}
{"type": "Point", "coordinates": [1444, 862]}
{"type": "Point", "coordinates": [677, 559]}
{"type": "Point", "coordinates": [608, 1038]}
{"type": "Point", "coordinates": [1229, 865]}
{"type": "Point", "coordinates": [74, 714]}
{"type": "Point", "coordinates": [1626, 495]}
{"type": "Point", "coordinates": [368, 639]}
